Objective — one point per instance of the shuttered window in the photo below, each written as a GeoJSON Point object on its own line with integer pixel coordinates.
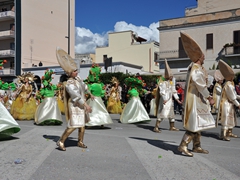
{"type": "Point", "coordinates": [209, 41]}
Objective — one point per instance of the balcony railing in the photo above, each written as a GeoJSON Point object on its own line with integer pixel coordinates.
{"type": "Point", "coordinates": [171, 54]}
{"type": "Point", "coordinates": [7, 34]}
{"type": "Point", "coordinates": [7, 53]}
{"type": "Point", "coordinates": [7, 15]}
{"type": "Point", "coordinates": [7, 71]}
{"type": "Point", "coordinates": [232, 50]}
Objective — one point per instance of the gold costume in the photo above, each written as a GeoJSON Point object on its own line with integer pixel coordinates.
{"type": "Point", "coordinates": [24, 107]}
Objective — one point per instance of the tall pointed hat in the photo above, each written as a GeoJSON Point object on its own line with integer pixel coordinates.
{"type": "Point", "coordinates": [226, 70]}
{"type": "Point", "coordinates": [168, 71]}
{"type": "Point", "coordinates": [191, 47]}
{"type": "Point", "coordinates": [66, 61]}
{"type": "Point", "coordinates": [218, 76]}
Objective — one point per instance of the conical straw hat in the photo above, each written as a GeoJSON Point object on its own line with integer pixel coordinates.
{"type": "Point", "coordinates": [226, 70]}
{"type": "Point", "coordinates": [192, 49]}
{"type": "Point", "coordinates": [168, 71]}
{"type": "Point", "coordinates": [66, 61]}
{"type": "Point", "coordinates": [218, 76]}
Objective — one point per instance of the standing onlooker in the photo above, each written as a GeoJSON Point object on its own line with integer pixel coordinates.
{"type": "Point", "coordinates": [178, 106]}
{"type": "Point", "coordinates": [237, 87]}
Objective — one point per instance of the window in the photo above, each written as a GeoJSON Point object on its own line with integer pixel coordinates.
{"type": "Point", "coordinates": [236, 40]}
{"type": "Point", "coordinates": [209, 41]}
{"type": "Point", "coordinates": [181, 51]}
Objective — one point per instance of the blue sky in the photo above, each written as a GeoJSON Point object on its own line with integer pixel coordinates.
{"type": "Point", "coordinates": [95, 18]}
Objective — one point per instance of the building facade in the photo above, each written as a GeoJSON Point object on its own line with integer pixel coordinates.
{"type": "Point", "coordinates": [127, 47]}
{"type": "Point", "coordinates": [213, 24]}
{"type": "Point", "coordinates": [31, 30]}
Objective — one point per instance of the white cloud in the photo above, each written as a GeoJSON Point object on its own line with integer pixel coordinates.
{"type": "Point", "coordinates": [86, 41]}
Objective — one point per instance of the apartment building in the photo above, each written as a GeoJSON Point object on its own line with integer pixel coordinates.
{"type": "Point", "coordinates": [31, 30]}
{"type": "Point", "coordinates": [214, 24]}
{"type": "Point", "coordinates": [128, 47]}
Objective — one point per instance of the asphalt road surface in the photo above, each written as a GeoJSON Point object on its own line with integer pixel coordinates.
{"type": "Point", "coordinates": [117, 152]}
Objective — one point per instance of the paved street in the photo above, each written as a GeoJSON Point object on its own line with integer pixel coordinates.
{"type": "Point", "coordinates": [117, 152]}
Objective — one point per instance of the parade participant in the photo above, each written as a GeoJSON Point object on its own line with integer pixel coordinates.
{"type": "Point", "coordinates": [164, 103]}
{"type": "Point", "coordinates": [153, 110]}
{"type": "Point", "coordinates": [228, 99]}
{"type": "Point", "coordinates": [114, 102]}
{"type": "Point", "coordinates": [217, 90]}
{"type": "Point", "coordinates": [25, 105]}
{"type": "Point", "coordinates": [76, 108]}
{"type": "Point", "coordinates": [47, 112]}
{"type": "Point", "coordinates": [8, 125]}
{"type": "Point", "coordinates": [197, 116]}
{"type": "Point", "coordinates": [99, 115]}
{"type": "Point", "coordinates": [134, 111]}
{"type": "Point", "coordinates": [60, 97]}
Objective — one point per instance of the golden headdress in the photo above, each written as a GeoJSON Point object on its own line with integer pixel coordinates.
{"type": "Point", "coordinates": [29, 75]}
{"type": "Point", "coordinates": [114, 80]}
{"type": "Point", "coordinates": [168, 71]}
{"type": "Point", "coordinates": [226, 70]}
{"type": "Point", "coordinates": [66, 61]}
{"type": "Point", "coordinates": [192, 49]}
{"type": "Point", "coordinates": [218, 76]}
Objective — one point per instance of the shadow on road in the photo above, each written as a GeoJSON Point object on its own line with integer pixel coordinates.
{"type": "Point", "coordinates": [210, 134]}
{"type": "Point", "coordinates": [162, 144]}
{"type": "Point", "coordinates": [70, 141]}
{"type": "Point", "coordinates": [152, 127]}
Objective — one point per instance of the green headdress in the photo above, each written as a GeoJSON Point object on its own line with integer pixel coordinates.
{"type": "Point", "coordinates": [134, 82]}
{"type": "Point", "coordinates": [47, 78]}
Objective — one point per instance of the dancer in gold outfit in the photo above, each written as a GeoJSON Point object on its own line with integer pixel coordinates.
{"type": "Point", "coordinates": [25, 105]}
{"type": "Point", "coordinates": [228, 100]}
{"type": "Point", "coordinates": [197, 116]}
{"type": "Point", "coordinates": [114, 103]}
{"type": "Point", "coordinates": [76, 108]}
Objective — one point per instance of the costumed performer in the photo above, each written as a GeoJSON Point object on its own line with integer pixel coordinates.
{"type": "Point", "coordinates": [164, 102]}
{"type": "Point", "coordinates": [24, 106]}
{"type": "Point", "coordinates": [8, 125]}
{"type": "Point", "coordinates": [99, 115]}
{"type": "Point", "coordinates": [48, 112]}
{"type": "Point", "coordinates": [134, 111]}
{"type": "Point", "coordinates": [217, 90]}
{"type": "Point", "coordinates": [197, 115]}
{"type": "Point", "coordinates": [114, 103]}
{"type": "Point", "coordinates": [228, 100]}
{"type": "Point", "coordinates": [76, 108]}
{"type": "Point", "coordinates": [60, 98]}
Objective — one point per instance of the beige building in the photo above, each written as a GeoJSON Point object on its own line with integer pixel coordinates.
{"type": "Point", "coordinates": [85, 58]}
{"type": "Point", "coordinates": [128, 47]}
{"type": "Point", "coordinates": [31, 30]}
{"type": "Point", "coordinates": [213, 24]}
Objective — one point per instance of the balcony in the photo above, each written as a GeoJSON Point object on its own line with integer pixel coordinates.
{"type": "Point", "coordinates": [171, 55]}
{"type": "Point", "coordinates": [7, 34]}
{"type": "Point", "coordinates": [7, 53]}
{"type": "Point", "coordinates": [7, 15]}
{"type": "Point", "coordinates": [7, 71]}
{"type": "Point", "coordinates": [232, 51]}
